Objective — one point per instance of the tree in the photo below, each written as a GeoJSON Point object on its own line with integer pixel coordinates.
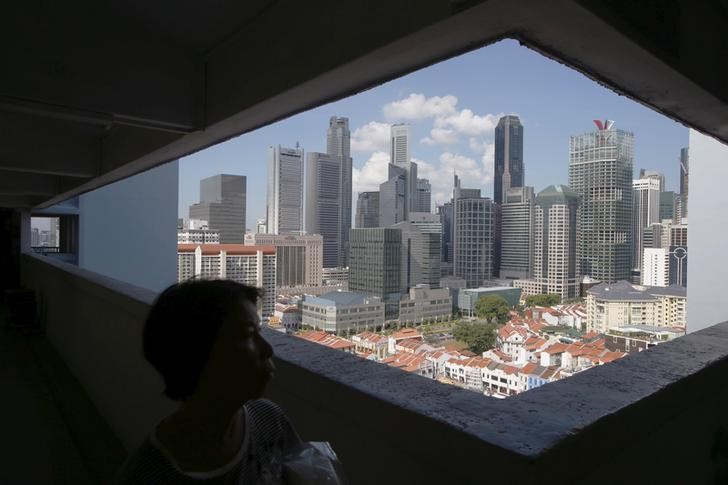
{"type": "Point", "coordinates": [493, 306]}
{"type": "Point", "coordinates": [545, 299]}
{"type": "Point", "coordinates": [479, 337]}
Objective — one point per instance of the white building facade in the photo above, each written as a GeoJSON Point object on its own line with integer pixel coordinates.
{"type": "Point", "coordinates": [249, 265]}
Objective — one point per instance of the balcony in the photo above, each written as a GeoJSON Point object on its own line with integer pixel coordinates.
{"type": "Point", "coordinates": [393, 427]}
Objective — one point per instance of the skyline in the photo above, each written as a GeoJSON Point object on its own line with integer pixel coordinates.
{"type": "Point", "coordinates": [452, 120]}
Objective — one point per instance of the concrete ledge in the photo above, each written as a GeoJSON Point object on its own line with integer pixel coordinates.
{"type": "Point", "coordinates": [392, 427]}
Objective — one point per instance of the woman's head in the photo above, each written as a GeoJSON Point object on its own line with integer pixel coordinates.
{"type": "Point", "coordinates": [203, 336]}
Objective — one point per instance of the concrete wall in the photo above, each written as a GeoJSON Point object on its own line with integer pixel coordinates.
{"type": "Point", "coordinates": [128, 230]}
{"type": "Point", "coordinates": [627, 421]}
{"type": "Point", "coordinates": [707, 232]}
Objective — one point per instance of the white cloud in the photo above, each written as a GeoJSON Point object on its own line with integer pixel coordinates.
{"type": "Point", "coordinates": [372, 137]}
{"type": "Point", "coordinates": [443, 136]}
{"type": "Point", "coordinates": [468, 123]}
{"type": "Point", "coordinates": [477, 145]}
{"type": "Point", "coordinates": [418, 107]}
{"type": "Point", "coordinates": [373, 172]}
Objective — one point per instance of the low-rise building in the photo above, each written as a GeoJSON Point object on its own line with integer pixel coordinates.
{"type": "Point", "coordinates": [424, 304]}
{"type": "Point", "coordinates": [469, 296]}
{"type": "Point", "coordinates": [288, 315]}
{"type": "Point", "coordinates": [370, 343]}
{"type": "Point", "coordinates": [622, 303]}
{"type": "Point", "coordinates": [636, 338]}
{"type": "Point", "coordinates": [340, 311]}
{"type": "Point", "coordinates": [328, 340]}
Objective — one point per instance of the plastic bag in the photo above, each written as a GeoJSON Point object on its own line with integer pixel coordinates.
{"type": "Point", "coordinates": [314, 462]}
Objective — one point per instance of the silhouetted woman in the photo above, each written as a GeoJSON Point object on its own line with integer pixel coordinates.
{"type": "Point", "coordinates": [203, 337]}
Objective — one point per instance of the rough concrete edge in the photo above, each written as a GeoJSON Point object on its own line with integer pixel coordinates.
{"type": "Point", "coordinates": [529, 424]}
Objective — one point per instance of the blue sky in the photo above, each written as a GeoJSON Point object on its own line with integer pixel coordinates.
{"type": "Point", "coordinates": [452, 108]}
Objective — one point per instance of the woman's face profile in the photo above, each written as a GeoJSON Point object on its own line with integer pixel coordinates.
{"type": "Point", "coordinates": [240, 363]}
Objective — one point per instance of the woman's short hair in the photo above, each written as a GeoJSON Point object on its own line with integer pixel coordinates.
{"type": "Point", "coordinates": [181, 328]}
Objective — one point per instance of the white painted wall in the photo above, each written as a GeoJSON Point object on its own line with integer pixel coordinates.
{"type": "Point", "coordinates": [707, 232]}
{"type": "Point", "coordinates": [128, 230]}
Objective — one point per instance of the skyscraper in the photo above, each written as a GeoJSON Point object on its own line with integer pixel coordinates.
{"type": "Point", "coordinates": [285, 190]}
{"type": "Point", "coordinates": [472, 236]}
{"type": "Point", "coordinates": [517, 211]}
{"type": "Point", "coordinates": [398, 196]}
{"type": "Point", "coordinates": [375, 266]}
{"type": "Point", "coordinates": [668, 201]}
{"type": "Point", "coordinates": [424, 196]}
{"type": "Point", "coordinates": [222, 205]}
{"type": "Point", "coordinates": [556, 244]}
{"type": "Point", "coordinates": [600, 172]}
{"type": "Point", "coordinates": [445, 213]}
{"type": "Point", "coordinates": [338, 143]}
{"type": "Point", "coordinates": [328, 193]}
{"type": "Point", "coordinates": [645, 211]}
{"type": "Point", "coordinates": [367, 210]}
{"type": "Point", "coordinates": [508, 173]}
{"type": "Point", "coordinates": [393, 197]}
{"type": "Point", "coordinates": [653, 175]}
{"type": "Point", "coordinates": [323, 204]}
{"type": "Point", "coordinates": [399, 149]}
{"type": "Point", "coordinates": [508, 156]}
{"type": "Point", "coordinates": [684, 175]}
{"type": "Point", "coordinates": [420, 260]}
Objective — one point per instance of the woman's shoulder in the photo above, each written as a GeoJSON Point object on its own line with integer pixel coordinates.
{"type": "Point", "coordinates": [266, 414]}
{"type": "Point", "coordinates": [269, 423]}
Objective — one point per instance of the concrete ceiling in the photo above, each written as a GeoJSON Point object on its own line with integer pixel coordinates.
{"type": "Point", "coordinates": [92, 92]}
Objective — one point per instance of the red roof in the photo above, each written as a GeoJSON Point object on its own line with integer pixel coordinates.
{"type": "Point", "coordinates": [232, 249]}
{"type": "Point", "coordinates": [406, 333]}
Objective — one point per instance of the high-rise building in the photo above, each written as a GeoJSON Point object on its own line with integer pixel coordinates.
{"type": "Point", "coordinates": [508, 161]}
{"type": "Point", "coordinates": [556, 244]}
{"type": "Point", "coordinates": [222, 205]}
{"type": "Point", "coordinates": [684, 175]}
{"type": "Point", "coordinates": [653, 175]}
{"type": "Point", "coordinates": [323, 204]}
{"type": "Point", "coordinates": [328, 193]}
{"type": "Point", "coordinates": [285, 190]}
{"type": "Point", "coordinates": [600, 171]}
{"type": "Point", "coordinates": [367, 210]}
{"type": "Point", "coordinates": [645, 211]}
{"type": "Point", "coordinates": [338, 143]}
{"type": "Point", "coordinates": [260, 226]}
{"type": "Point", "coordinates": [472, 236]}
{"type": "Point", "coordinates": [197, 236]}
{"type": "Point", "coordinates": [668, 201]}
{"type": "Point", "coordinates": [399, 195]}
{"type": "Point", "coordinates": [250, 265]}
{"type": "Point", "coordinates": [299, 259]}
{"type": "Point", "coordinates": [420, 260]}
{"type": "Point", "coordinates": [393, 197]}
{"type": "Point", "coordinates": [375, 265]}
{"type": "Point", "coordinates": [508, 156]}
{"type": "Point", "coordinates": [655, 267]}
{"type": "Point", "coordinates": [445, 213]}
{"type": "Point", "coordinates": [517, 212]}
{"type": "Point", "coordinates": [678, 266]}
{"type": "Point", "coordinates": [399, 149]}
{"type": "Point", "coordinates": [424, 196]}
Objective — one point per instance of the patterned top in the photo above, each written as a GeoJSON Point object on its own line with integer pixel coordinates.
{"type": "Point", "coordinates": [268, 437]}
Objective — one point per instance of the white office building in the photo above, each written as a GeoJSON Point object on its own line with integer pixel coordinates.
{"type": "Point", "coordinates": [655, 267]}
